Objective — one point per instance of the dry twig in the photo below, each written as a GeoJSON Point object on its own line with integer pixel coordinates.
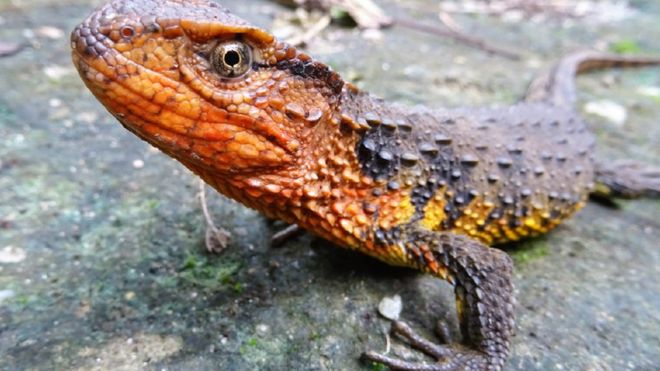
{"type": "Point", "coordinates": [312, 31]}
{"type": "Point", "coordinates": [216, 239]}
{"type": "Point", "coordinates": [285, 234]}
{"type": "Point", "coordinates": [369, 15]}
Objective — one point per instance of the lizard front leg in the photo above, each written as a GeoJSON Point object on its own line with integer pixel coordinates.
{"type": "Point", "coordinates": [481, 277]}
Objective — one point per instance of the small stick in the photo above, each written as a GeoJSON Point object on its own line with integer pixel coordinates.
{"type": "Point", "coordinates": [311, 32]}
{"type": "Point", "coordinates": [285, 234]}
{"type": "Point", "coordinates": [369, 15]}
{"type": "Point", "coordinates": [216, 239]}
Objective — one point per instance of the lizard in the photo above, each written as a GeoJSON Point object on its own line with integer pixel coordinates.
{"type": "Point", "coordinates": [432, 189]}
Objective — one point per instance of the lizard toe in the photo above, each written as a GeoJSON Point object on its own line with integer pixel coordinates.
{"type": "Point", "coordinates": [448, 357]}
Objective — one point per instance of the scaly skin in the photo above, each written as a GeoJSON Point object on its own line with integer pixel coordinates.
{"type": "Point", "coordinates": [427, 189]}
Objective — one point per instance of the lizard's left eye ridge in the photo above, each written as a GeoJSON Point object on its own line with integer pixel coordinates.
{"type": "Point", "coordinates": [231, 59]}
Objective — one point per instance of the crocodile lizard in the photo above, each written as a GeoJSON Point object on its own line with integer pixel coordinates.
{"type": "Point", "coordinates": [431, 189]}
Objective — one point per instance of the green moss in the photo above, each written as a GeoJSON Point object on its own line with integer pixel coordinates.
{"type": "Point", "coordinates": [249, 345]}
{"type": "Point", "coordinates": [340, 16]}
{"type": "Point", "coordinates": [199, 271]}
{"type": "Point", "coordinates": [23, 300]}
{"type": "Point", "coordinates": [238, 287]}
{"type": "Point", "coordinates": [151, 204]}
{"type": "Point", "coordinates": [529, 251]}
{"type": "Point", "coordinates": [377, 367]}
{"type": "Point", "coordinates": [626, 47]}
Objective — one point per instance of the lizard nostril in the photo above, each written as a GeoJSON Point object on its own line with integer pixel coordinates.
{"type": "Point", "coordinates": [127, 31]}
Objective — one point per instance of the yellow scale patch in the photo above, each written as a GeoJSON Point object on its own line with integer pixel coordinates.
{"type": "Point", "coordinates": [475, 217]}
{"type": "Point", "coordinates": [405, 211]}
{"type": "Point", "coordinates": [474, 221]}
{"type": "Point", "coordinates": [434, 211]}
{"type": "Point", "coordinates": [397, 211]}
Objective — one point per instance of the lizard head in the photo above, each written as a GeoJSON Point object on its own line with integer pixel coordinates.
{"type": "Point", "coordinates": [203, 85]}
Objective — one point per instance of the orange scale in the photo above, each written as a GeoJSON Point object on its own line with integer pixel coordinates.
{"type": "Point", "coordinates": [362, 219]}
{"type": "Point", "coordinates": [346, 225]}
{"type": "Point", "coordinates": [313, 206]}
{"type": "Point", "coordinates": [247, 151]}
{"type": "Point", "coordinates": [325, 225]}
{"type": "Point", "coordinates": [433, 266]}
{"type": "Point", "coordinates": [428, 256]}
{"type": "Point", "coordinates": [245, 136]}
{"type": "Point", "coordinates": [337, 233]}
{"type": "Point", "coordinates": [270, 156]}
{"type": "Point", "coordinates": [175, 122]}
{"type": "Point", "coordinates": [204, 149]}
{"type": "Point", "coordinates": [122, 47]}
{"type": "Point", "coordinates": [338, 207]}
{"type": "Point", "coordinates": [358, 233]}
{"type": "Point", "coordinates": [173, 140]}
{"type": "Point", "coordinates": [131, 69]}
{"type": "Point", "coordinates": [273, 188]}
{"type": "Point", "coordinates": [269, 199]}
{"type": "Point", "coordinates": [385, 224]}
{"type": "Point", "coordinates": [214, 133]}
{"type": "Point", "coordinates": [145, 108]}
{"type": "Point", "coordinates": [150, 46]}
{"type": "Point", "coordinates": [233, 147]}
{"type": "Point", "coordinates": [253, 192]}
{"type": "Point", "coordinates": [353, 209]}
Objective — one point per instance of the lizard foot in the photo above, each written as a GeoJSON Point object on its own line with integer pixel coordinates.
{"type": "Point", "coordinates": [448, 357]}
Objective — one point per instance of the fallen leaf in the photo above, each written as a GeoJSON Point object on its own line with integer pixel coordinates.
{"type": "Point", "coordinates": [390, 307]}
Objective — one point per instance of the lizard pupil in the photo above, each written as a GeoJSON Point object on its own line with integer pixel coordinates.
{"type": "Point", "coordinates": [231, 59]}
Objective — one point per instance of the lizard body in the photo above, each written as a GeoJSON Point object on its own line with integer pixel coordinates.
{"type": "Point", "coordinates": [267, 125]}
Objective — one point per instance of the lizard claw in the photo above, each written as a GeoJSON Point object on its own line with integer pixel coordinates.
{"type": "Point", "coordinates": [447, 357]}
{"type": "Point", "coordinates": [442, 332]}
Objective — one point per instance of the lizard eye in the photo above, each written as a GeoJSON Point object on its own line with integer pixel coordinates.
{"type": "Point", "coordinates": [231, 59]}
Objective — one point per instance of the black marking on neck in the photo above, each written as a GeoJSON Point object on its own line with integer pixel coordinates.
{"type": "Point", "coordinates": [313, 70]}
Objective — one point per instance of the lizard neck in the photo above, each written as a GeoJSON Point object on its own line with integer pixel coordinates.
{"type": "Point", "coordinates": [326, 189]}
{"type": "Point", "coordinates": [323, 169]}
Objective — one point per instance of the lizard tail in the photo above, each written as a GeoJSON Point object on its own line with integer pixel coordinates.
{"type": "Point", "coordinates": [557, 85]}
{"type": "Point", "coordinates": [627, 179]}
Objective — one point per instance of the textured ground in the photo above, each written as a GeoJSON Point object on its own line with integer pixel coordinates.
{"type": "Point", "coordinates": [102, 263]}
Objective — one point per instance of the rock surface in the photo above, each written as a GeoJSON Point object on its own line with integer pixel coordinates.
{"type": "Point", "coordinates": [115, 275]}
